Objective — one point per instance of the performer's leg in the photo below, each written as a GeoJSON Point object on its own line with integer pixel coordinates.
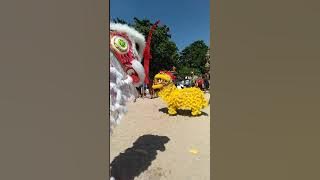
{"type": "Point", "coordinates": [172, 110]}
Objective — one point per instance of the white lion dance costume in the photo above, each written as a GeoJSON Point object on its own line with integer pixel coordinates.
{"type": "Point", "coordinates": [127, 49]}
{"type": "Point", "coordinates": [126, 70]}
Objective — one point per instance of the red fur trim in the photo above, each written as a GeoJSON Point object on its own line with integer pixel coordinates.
{"type": "Point", "coordinates": [168, 73]}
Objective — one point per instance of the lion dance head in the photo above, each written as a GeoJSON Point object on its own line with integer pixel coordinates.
{"type": "Point", "coordinates": [127, 49]}
{"type": "Point", "coordinates": [126, 70]}
{"type": "Point", "coordinates": [162, 79]}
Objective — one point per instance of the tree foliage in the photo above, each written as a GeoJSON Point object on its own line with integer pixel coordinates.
{"type": "Point", "coordinates": [186, 71]}
{"type": "Point", "coordinates": [164, 52]}
{"type": "Point", "coordinates": [118, 20]}
{"type": "Point", "coordinates": [193, 57]}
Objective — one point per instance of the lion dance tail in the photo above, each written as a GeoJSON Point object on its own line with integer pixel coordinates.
{"type": "Point", "coordinates": [205, 102]}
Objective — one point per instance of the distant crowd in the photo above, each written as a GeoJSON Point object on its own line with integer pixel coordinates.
{"type": "Point", "coordinates": [202, 82]}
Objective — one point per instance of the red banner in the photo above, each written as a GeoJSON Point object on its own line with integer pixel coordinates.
{"type": "Point", "coordinates": [146, 54]}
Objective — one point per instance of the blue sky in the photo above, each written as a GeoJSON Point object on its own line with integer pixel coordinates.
{"type": "Point", "coordinates": [188, 20]}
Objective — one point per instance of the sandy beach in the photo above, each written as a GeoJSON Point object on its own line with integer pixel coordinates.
{"type": "Point", "coordinates": [187, 153]}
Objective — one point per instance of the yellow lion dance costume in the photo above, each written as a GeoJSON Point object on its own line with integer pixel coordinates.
{"type": "Point", "coordinates": [187, 98]}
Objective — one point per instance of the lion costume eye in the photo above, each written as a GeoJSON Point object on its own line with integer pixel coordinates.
{"type": "Point", "coordinates": [120, 43]}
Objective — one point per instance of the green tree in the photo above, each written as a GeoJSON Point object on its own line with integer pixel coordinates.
{"type": "Point", "coordinates": [186, 71]}
{"type": "Point", "coordinates": [164, 51]}
{"type": "Point", "coordinates": [118, 20]}
{"type": "Point", "coordinates": [193, 58]}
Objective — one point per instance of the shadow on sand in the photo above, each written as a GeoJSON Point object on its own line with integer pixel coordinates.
{"type": "Point", "coordinates": [136, 159]}
{"type": "Point", "coordinates": [182, 112]}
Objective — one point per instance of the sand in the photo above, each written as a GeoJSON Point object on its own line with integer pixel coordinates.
{"type": "Point", "coordinates": [148, 116]}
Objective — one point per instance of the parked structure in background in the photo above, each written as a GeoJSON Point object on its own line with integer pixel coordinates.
{"type": "Point", "coordinates": [207, 65]}
{"type": "Point", "coordinates": [207, 74]}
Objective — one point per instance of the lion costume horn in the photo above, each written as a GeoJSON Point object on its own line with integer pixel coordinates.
{"type": "Point", "coordinates": [147, 55]}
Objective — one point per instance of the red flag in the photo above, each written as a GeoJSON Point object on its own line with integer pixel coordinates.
{"type": "Point", "coordinates": [147, 54]}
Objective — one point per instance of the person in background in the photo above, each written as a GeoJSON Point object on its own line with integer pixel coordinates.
{"type": "Point", "coordinates": [206, 81]}
{"type": "Point", "coordinates": [200, 83]}
{"type": "Point", "coordinates": [144, 89]}
{"type": "Point", "coordinates": [187, 82]}
{"type": "Point", "coordinates": [193, 79]}
{"type": "Point", "coordinates": [139, 92]}
{"type": "Point", "coordinates": [175, 74]}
